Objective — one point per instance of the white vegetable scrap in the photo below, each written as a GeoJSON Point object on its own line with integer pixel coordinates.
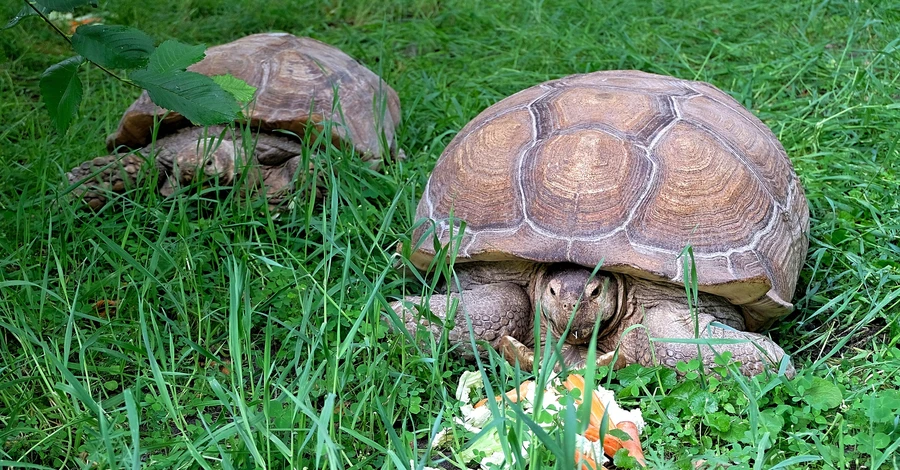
{"type": "Point", "coordinates": [476, 415]}
{"type": "Point", "coordinates": [616, 413]}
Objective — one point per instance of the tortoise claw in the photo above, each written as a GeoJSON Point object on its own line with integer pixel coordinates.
{"type": "Point", "coordinates": [514, 351]}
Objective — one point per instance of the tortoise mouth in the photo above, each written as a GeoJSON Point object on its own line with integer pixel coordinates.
{"type": "Point", "coordinates": [577, 335]}
{"type": "Point", "coordinates": [575, 355]}
{"type": "Point", "coordinates": [580, 335]}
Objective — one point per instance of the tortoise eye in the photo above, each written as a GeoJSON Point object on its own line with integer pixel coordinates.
{"type": "Point", "coordinates": [596, 291]}
{"type": "Point", "coordinates": [552, 291]}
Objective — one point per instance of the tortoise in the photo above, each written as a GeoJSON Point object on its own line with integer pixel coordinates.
{"type": "Point", "coordinates": [301, 84]}
{"type": "Point", "coordinates": [620, 170]}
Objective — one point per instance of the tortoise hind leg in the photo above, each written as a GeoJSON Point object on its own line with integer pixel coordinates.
{"type": "Point", "coordinates": [494, 310]}
{"type": "Point", "coordinates": [97, 177]}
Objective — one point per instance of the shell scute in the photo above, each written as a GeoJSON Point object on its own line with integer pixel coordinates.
{"type": "Point", "coordinates": [703, 196]}
{"type": "Point", "coordinates": [761, 153]}
{"type": "Point", "coordinates": [632, 114]}
{"type": "Point", "coordinates": [568, 192]}
{"type": "Point", "coordinates": [480, 172]}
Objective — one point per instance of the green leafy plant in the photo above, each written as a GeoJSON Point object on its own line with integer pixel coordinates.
{"type": "Point", "coordinates": [161, 71]}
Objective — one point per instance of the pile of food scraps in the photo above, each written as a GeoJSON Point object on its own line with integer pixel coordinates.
{"type": "Point", "coordinates": [591, 452]}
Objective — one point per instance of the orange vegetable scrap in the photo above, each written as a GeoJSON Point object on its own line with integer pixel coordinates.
{"type": "Point", "coordinates": [590, 451]}
{"type": "Point", "coordinates": [611, 443]}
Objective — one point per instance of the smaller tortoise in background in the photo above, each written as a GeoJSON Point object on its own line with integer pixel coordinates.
{"type": "Point", "coordinates": [301, 83]}
{"type": "Point", "coordinates": [620, 169]}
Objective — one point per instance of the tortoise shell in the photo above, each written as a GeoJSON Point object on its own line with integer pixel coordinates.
{"type": "Point", "coordinates": [625, 168]}
{"type": "Point", "coordinates": [296, 80]}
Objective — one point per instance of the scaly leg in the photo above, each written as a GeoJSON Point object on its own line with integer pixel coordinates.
{"type": "Point", "coordinates": [495, 311]}
{"type": "Point", "coordinates": [755, 352]}
{"type": "Point", "coordinates": [101, 175]}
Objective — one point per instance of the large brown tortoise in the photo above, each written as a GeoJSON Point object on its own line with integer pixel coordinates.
{"type": "Point", "coordinates": [621, 170]}
{"type": "Point", "coordinates": [301, 84]}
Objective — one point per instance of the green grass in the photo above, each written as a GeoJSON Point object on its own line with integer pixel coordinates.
{"type": "Point", "coordinates": [241, 341]}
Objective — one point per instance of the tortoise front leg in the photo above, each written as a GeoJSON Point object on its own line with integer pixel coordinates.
{"type": "Point", "coordinates": [755, 352]}
{"type": "Point", "coordinates": [494, 310]}
{"type": "Point", "coordinates": [287, 180]}
{"type": "Point", "coordinates": [99, 176]}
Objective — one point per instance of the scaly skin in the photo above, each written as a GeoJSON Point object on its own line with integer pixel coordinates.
{"type": "Point", "coordinates": [498, 310]}
{"type": "Point", "coordinates": [663, 310]}
{"type": "Point", "coordinates": [193, 155]}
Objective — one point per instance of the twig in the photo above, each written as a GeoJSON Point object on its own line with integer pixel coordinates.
{"type": "Point", "coordinates": [69, 40]}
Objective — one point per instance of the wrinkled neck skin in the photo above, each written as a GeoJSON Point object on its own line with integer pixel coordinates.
{"type": "Point", "coordinates": [569, 292]}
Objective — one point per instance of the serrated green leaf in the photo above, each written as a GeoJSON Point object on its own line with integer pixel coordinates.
{"type": "Point", "coordinates": [238, 88]}
{"type": "Point", "coordinates": [25, 12]}
{"type": "Point", "coordinates": [822, 394]}
{"type": "Point", "coordinates": [173, 55]}
{"type": "Point", "coordinates": [624, 460]}
{"type": "Point", "coordinates": [65, 5]}
{"type": "Point", "coordinates": [704, 402]}
{"type": "Point", "coordinates": [61, 91]}
{"type": "Point", "coordinates": [881, 440]}
{"type": "Point", "coordinates": [113, 46]}
{"type": "Point", "coordinates": [195, 96]}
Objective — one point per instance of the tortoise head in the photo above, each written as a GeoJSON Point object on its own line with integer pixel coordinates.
{"type": "Point", "coordinates": [570, 291]}
{"type": "Point", "coordinates": [210, 158]}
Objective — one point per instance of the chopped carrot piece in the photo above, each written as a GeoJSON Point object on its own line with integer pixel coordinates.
{"type": "Point", "coordinates": [592, 433]}
{"type": "Point", "coordinates": [513, 395]}
{"type": "Point", "coordinates": [587, 462]}
{"type": "Point", "coordinates": [633, 446]}
{"type": "Point", "coordinates": [575, 381]}
{"type": "Point", "coordinates": [610, 443]}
